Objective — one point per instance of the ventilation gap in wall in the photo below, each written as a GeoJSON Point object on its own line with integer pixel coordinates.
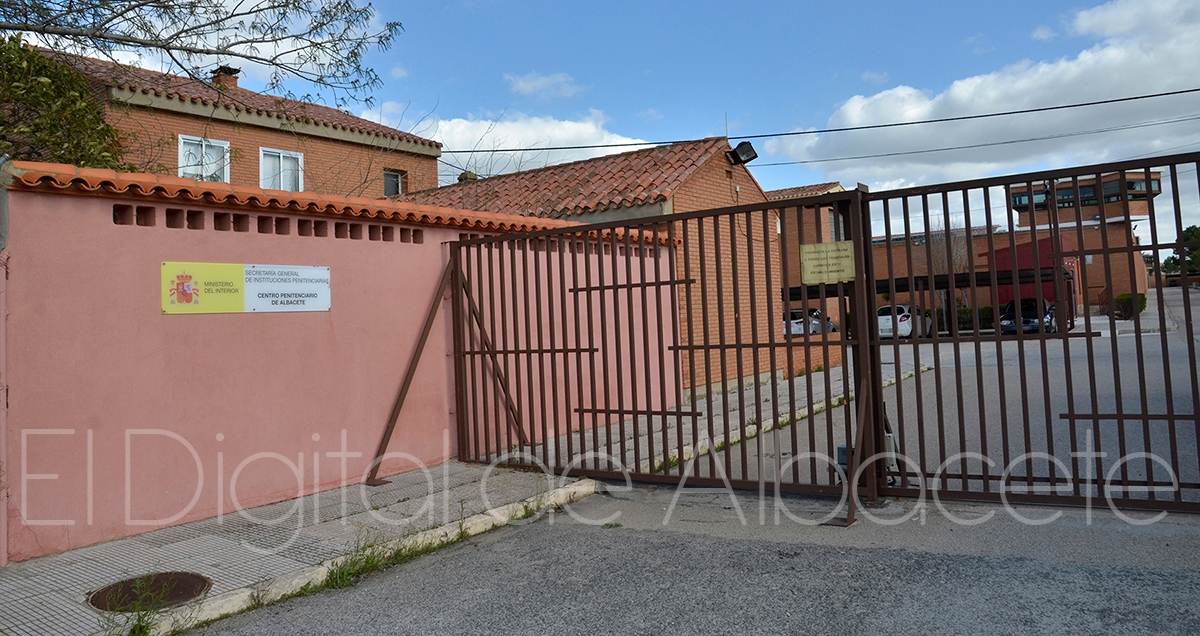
{"type": "Point", "coordinates": [405, 235]}
{"type": "Point", "coordinates": [341, 230]}
{"type": "Point", "coordinates": [418, 236]}
{"type": "Point", "coordinates": [145, 216]}
{"type": "Point", "coordinates": [123, 214]}
{"type": "Point", "coordinates": [241, 223]}
{"type": "Point", "coordinates": [222, 221]}
{"type": "Point", "coordinates": [374, 232]}
{"type": "Point", "coordinates": [195, 219]}
{"type": "Point", "coordinates": [175, 218]}
{"type": "Point", "coordinates": [389, 233]}
{"type": "Point", "coordinates": [283, 225]}
{"type": "Point", "coordinates": [320, 228]}
{"type": "Point", "coordinates": [266, 225]}
{"type": "Point", "coordinates": [356, 231]}
{"type": "Point", "coordinates": [304, 227]}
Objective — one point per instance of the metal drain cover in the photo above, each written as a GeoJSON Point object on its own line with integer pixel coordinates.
{"type": "Point", "coordinates": [156, 591]}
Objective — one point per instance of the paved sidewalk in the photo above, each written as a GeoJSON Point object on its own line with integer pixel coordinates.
{"type": "Point", "coordinates": [270, 549]}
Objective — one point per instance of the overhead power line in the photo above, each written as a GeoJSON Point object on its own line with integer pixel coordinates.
{"type": "Point", "coordinates": [900, 153]}
{"type": "Point", "coordinates": [820, 131]}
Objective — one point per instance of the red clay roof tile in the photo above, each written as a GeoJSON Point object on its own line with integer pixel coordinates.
{"type": "Point", "coordinates": [30, 175]}
{"type": "Point", "coordinates": [816, 189]}
{"type": "Point", "coordinates": [232, 98]}
{"type": "Point", "coordinates": [628, 179]}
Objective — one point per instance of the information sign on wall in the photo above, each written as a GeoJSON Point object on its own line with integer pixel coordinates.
{"type": "Point", "coordinates": [227, 288]}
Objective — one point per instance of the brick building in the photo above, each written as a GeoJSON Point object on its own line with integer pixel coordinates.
{"type": "Point", "coordinates": [218, 131]}
{"type": "Point", "coordinates": [1096, 221]}
{"type": "Point", "coordinates": [816, 224]}
{"type": "Point", "coordinates": [659, 182]}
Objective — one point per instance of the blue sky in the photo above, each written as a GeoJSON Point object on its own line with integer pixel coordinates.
{"type": "Point", "coordinates": [500, 73]}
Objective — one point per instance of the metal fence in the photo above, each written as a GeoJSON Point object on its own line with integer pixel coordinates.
{"type": "Point", "coordinates": [730, 347]}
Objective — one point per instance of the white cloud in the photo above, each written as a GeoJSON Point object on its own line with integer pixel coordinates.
{"type": "Point", "coordinates": [544, 86]}
{"type": "Point", "coordinates": [506, 130]}
{"type": "Point", "coordinates": [875, 78]}
{"type": "Point", "coordinates": [398, 73]}
{"type": "Point", "coordinates": [1043, 33]}
{"type": "Point", "coordinates": [650, 115]}
{"type": "Point", "coordinates": [1159, 53]}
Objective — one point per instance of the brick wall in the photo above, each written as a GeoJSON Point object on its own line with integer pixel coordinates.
{"type": "Point", "coordinates": [738, 258]}
{"type": "Point", "coordinates": [151, 142]}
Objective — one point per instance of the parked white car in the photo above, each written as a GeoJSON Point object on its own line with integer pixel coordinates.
{"type": "Point", "coordinates": [903, 321]}
{"type": "Point", "coordinates": [800, 322]}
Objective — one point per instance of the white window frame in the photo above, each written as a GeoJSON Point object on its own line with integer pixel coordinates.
{"type": "Point", "coordinates": [203, 141]}
{"type": "Point", "coordinates": [401, 177]}
{"type": "Point", "coordinates": [299, 156]}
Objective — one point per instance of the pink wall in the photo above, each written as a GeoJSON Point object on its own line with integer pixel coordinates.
{"type": "Point", "coordinates": [91, 356]}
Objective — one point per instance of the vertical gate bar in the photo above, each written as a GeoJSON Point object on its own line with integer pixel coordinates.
{"type": "Point", "coordinates": [634, 385]}
{"type": "Point", "coordinates": [1061, 295]}
{"type": "Point", "coordinates": [1172, 436]}
{"type": "Point", "coordinates": [976, 326]}
{"type": "Point", "coordinates": [755, 354]}
{"type": "Point", "coordinates": [1131, 249]}
{"type": "Point", "coordinates": [607, 388]}
{"type": "Point", "coordinates": [504, 320]}
{"type": "Point", "coordinates": [585, 244]}
{"type": "Point", "coordinates": [811, 416]}
{"type": "Point", "coordinates": [541, 346]}
{"type": "Point", "coordinates": [527, 354]}
{"type": "Point", "coordinates": [460, 413]}
{"type": "Point", "coordinates": [819, 222]}
{"type": "Point", "coordinates": [644, 248]}
{"type": "Point", "coordinates": [665, 353]}
{"type": "Point", "coordinates": [495, 258]}
{"type": "Point", "coordinates": [721, 348]}
{"type": "Point", "coordinates": [785, 246]}
{"type": "Point", "coordinates": [955, 332]}
{"type": "Point", "coordinates": [555, 245]}
{"type": "Point", "coordinates": [738, 340]}
{"type": "Point", "coordinates": [1040, 297]}
{"type": "Point", "coordinates": [461, 288]}
{"type": "Point", "coordinates": [523, 350]}
{"type": "Point", "coordinates": [630, 317]}
{"type": "Point", "coordinates": [863, 441]}
{"type": "Point", "coordinates": [898, 367]}
{"type": "Point", "coordinates": [1014, 266]}
{"type": "Point", "coordinates": [1116, 358]}
{"type": "Point", "coordinates": [708, 367]}
{"type": "Point", "coordinates": [993, 268]}
{"type": "Point", "coordinates": [480, 377]}
{"type": "Point", "coordinates": [772, 354]}
{"type": "Point", "coordinates": [574, 340]}
{"type": "Point", "coordinates": [1090, 347]}
{"type": "Point", "coordinates": [839, 231]}
{"type": "Point", "coordinates": [905, 207]}
{"type": "Point", "coordinates": [686, 246]}
{"type": "Point", "coordinates": [618, 367]}
{"type": "Point", "coordinates": [930, 267]}
{"type": "Point", "coordinates": [1185, 287]}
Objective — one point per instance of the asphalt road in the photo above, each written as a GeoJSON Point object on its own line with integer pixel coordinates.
{"type": "Point", "coordinates": [706, 572]}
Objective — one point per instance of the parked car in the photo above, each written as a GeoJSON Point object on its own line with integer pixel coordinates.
{"type": "Point", "coordinates": [801, 321]}
{"type": "Point", "coordinates": [904, 321]}
{"type": "Point", "coordinates": [1032, 319]}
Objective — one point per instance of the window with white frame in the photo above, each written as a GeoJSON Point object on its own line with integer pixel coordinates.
{"type": "Point", "coordinates": [394, 182]}
{"type": "Point", "coordinates": [203, 159]}
{"type": "Point", "coordinates": [281, 170]}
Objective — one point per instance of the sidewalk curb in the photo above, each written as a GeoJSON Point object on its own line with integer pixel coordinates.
{"type": "Point", "coordinates": [281, 587]}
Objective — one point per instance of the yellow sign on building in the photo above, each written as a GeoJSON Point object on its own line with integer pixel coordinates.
{"type": "Point", "coordinates": [203, 288]}
{"type": "Point", "coordinates": [822, 263]}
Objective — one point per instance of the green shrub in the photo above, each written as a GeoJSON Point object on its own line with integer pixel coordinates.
{"type": "Point", "coordinates": [1126, 307]}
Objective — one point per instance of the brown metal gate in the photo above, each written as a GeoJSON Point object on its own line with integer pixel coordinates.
{"type": "Point", "coordinates": [694, 348]}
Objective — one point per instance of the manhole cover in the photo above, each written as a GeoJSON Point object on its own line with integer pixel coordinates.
{"type": "Point", "coordinates": [156, 591]}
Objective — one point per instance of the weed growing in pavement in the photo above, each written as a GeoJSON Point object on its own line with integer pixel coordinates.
{"type": "Point", "coordinates": [140, 611]}
{"type": "Point", "coordinates": [611, 525]}
{"type": "Point", "coordinates": [370, 554]}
